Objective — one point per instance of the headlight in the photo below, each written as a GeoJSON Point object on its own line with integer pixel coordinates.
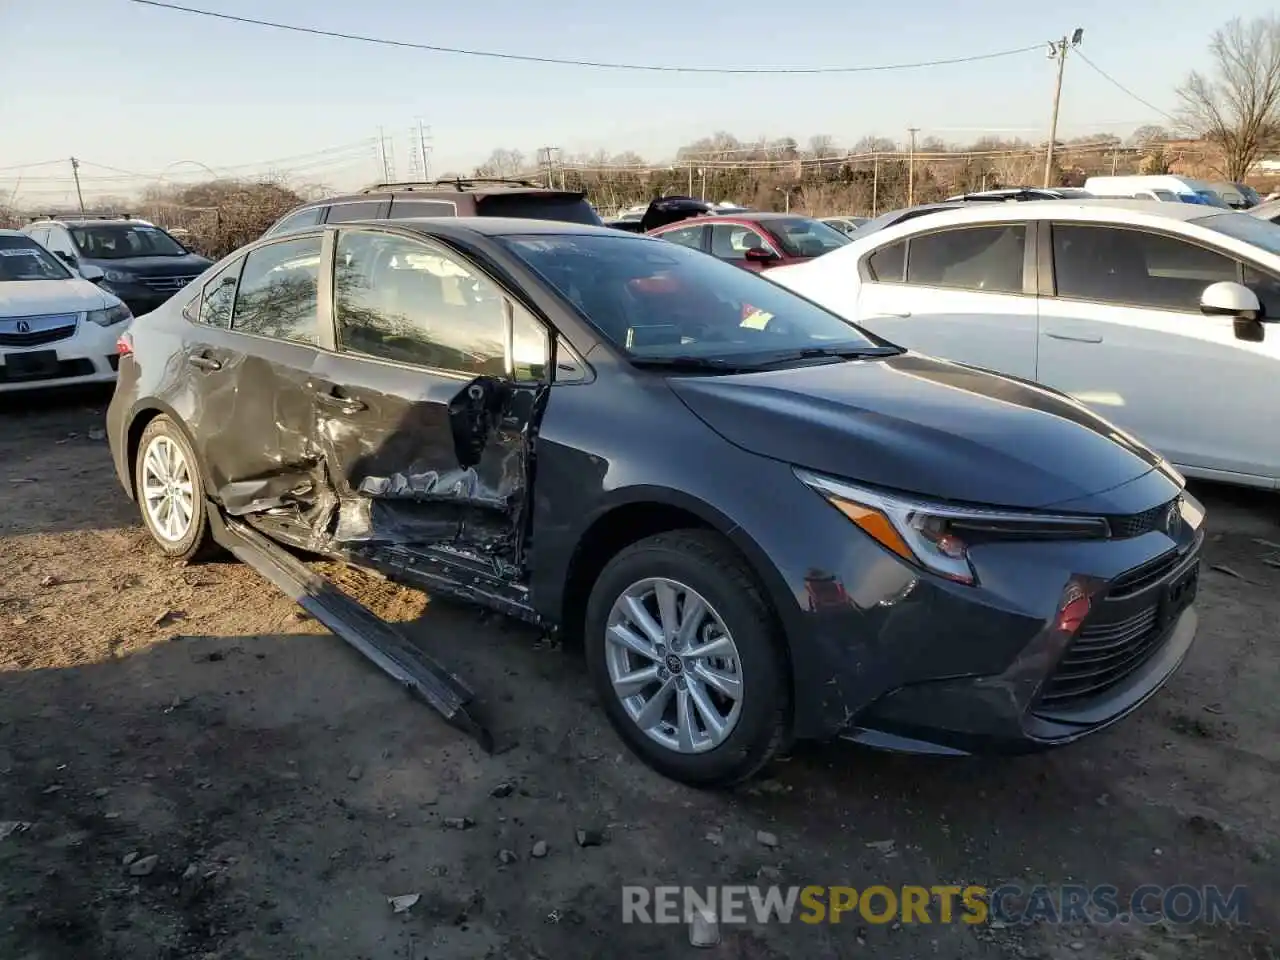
{"type": "Point", "coordinates": [117, 276]}
{"type": "Point", "coordinates": [937, 536]}
{"type": "Point", "coordinates": [110, 316]}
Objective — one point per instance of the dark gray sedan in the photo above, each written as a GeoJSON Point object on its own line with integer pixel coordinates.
{"type": "Point", "coordinates": [759, 521]}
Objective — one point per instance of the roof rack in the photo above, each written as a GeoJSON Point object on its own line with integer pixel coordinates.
{"type": "Point", "coordinates": [458, 183]}
{"type": "Point", "coordinates": [82, 216]}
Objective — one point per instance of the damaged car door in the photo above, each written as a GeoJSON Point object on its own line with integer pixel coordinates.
{"type": "Point", "coordinates": [247, 360]}
{"type": "Point", "coordinates": [426, 406]}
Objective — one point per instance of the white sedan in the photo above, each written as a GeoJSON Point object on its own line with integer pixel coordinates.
{"type": "Point", "coordinates": [56, 327]}
{"type": "Point", "coordinates": [1164, 318]}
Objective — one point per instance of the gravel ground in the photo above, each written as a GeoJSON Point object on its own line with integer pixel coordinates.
{"type": "Point", "coordinates": [191, 768]}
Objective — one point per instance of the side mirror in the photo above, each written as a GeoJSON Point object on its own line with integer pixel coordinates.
{"type": "Point", "coordinates": [1227, 299]}
{"type": "Point", "coordinates": [91, 273]}
{"type": "Point", "coordinates": [760, 255]}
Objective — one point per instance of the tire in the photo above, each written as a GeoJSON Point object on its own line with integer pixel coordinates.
{"type": "Point", "coordinates": [707, 569]}
{"type": "Point", "coordinates": [192, 541]}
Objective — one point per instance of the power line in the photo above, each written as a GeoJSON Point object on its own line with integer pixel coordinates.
{"type": "Point", "coordinates": [598, 64]}
{"type": "Point", "coordinates": [1122, 88]}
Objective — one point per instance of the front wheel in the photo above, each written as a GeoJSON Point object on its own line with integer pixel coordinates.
{"type": "Point", "coordinates": [170, 491]}
{"type": "Point", "coordinates": [685, 657]}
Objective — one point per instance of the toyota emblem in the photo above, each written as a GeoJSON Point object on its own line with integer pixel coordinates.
{"type": "Point", "coordinates": [24, 327]}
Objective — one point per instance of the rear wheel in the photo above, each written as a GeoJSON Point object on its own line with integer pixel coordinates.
{"type": "Point", "coordinates": [685, 658]}
{"type": "Point", "coordinates": [170, 491]}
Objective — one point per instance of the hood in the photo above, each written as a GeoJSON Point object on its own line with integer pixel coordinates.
{"type": "Point", "coordinates": [30, 298]}
{"type": "Point", "coordinates": [667, 210]}
{"type": "Point", "coordinates": [184, 266]}
{"type": "Point", "coordinates": [929, 427]}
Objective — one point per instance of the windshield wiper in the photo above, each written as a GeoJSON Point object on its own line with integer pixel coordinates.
{"type": "Point", "coordinates": [841, 353]}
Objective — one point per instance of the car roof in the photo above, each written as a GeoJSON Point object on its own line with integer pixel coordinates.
{"type": "Point", "coordinates": [5, 232]}
{"type": "Point", "coordinates": [1109, 210]}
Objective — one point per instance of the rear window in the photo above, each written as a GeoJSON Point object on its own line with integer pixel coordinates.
{"type": "Point", "coordinates": [535, 206]}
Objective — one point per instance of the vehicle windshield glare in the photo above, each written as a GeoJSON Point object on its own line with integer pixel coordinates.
{"type": "Point", "coordinates": [120, 241]}
{"type": "Point", "coordinates": [21, 258]}
{"type": "Point", "coordinates": [655, 299]}
{"type": "Point", "coordinates": [802, 237]}
{"type": "Point", "coordinates": [1254, 230]}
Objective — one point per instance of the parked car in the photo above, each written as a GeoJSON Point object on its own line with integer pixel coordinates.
{"type": "Point", "coordinates": [1166, 188]}
{"type": "Point", "coordinates": [57, 328]}
{"type": "Point", "coordinates": [470, 197]}
{"type": "Point", "coordinates": [1238, 196]}
{"type": "Point", "coordinates": [1268, 210]}
{"type": "Point", "coordinates": [759, 521]}
{"type": "Point", "coordinates": [1024, 193]}
{"type": "Point", "coordinates": [756, 241]}
{"type": "Point", "coordinates": [629, 224]}
{"type": "Point", "coordinates": [141, 264]}
{"type": "Point", "coordinates": [1159, 316]}
{"type": "Point", "coordinates": [845, 225]}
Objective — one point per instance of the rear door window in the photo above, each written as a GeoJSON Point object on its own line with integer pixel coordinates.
{"type": "Point", "coordinates": [277, 294]}
{"type": "Point", "coordinates": [358, 210]}
{"type": "Point", "coordinates": [982, 259]}
{"type": "Point", "coordinates": [422, 208]}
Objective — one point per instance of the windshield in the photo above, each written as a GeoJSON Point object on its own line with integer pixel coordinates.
{"type": "Point", "coordinates": [21, 258]}
{"type": "Point", "coordinates": [538, 206]}
{"type": "Point", "coordinates": [1212, 199]}
{"type": "Point", "coordinates": [118, 241]}
{"type": "Point", "coordinates": [802, 237]}
{"type": "Point", "coordinates": [1253, 230]}
{"type": "Point", "coordinates": [658, 299]}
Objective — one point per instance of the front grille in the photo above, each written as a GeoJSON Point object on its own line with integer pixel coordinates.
{"type": "Point", "coordinates": [1129, 525]}
{"type": "Point", "coordinates": [1125, 628]}
{"type": "Point", "coordinates": [63, 368]}
{"type": "Point", "coordinates": [39, 330]}
{"type": "Point", "coordinates": [168, 284]}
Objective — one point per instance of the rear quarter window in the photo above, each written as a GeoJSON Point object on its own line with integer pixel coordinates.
{"type": "Point", "coordinates": [533, 206]}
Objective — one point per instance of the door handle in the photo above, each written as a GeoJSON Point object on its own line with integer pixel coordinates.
{"type": "Point", "coordinates": [341, 403]}
{"type": "Point", "coordinates": [205, 363]}
{"type": "Point", "coordinates": [1073, 339]}
{"type": "Point", "coordinates": [898, 314]}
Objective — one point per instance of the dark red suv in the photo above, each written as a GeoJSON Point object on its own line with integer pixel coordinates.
{"type": "Point", "coordinates": [755, 241]}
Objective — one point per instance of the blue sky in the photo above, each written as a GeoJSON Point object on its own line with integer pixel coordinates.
{"type": "Point", "coordinates": [137, 88]}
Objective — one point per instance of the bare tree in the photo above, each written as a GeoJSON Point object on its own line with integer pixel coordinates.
{"type": "Point", "coordinates": [502, 163]}
{"type": "Point", "coordinates": [821, 146]}
{"type": "Point", "coordinates": [1238, 108]}
{"type": "Point", "coordinates": [1148, 133]}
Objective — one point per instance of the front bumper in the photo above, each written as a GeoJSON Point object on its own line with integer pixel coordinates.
{"type": "Point", "coordinates": [138, 297]}
{"type": "Point", "coordinates": [86, 357]}
{"type": "Point", "coordinates": [889, 656]}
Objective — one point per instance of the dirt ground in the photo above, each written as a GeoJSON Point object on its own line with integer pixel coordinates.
{"type": "Point", "coordinates": [286, 789]}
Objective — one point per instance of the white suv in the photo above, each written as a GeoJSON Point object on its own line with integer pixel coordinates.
{"type": "Point", "coordinates": [56, 327]}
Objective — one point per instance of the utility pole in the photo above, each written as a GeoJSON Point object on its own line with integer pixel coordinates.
{"type": "Point", "coordinates": [875, 182]}
{"type": "Point", "coordinates": [419, 151]}
{"type": "Point", "coordinates": [547, 159]}
{"type": "Point", "coordinates": [75, 172]}
{"type": "Point", "coordinates": [911, 167]}
{"type": "Point", "coordinates": [1058, 51]}
{"type": "Point", "coordinates": [388, 164]}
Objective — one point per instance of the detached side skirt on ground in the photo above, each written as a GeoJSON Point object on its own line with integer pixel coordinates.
{"type": "Point", "coordinates": [364, 630]}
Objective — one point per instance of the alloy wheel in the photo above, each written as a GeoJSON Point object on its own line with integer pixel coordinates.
{"type": "Point", "coordinates": [167, 491]}
{"type": "Point", "coordinates": [673, 665]}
